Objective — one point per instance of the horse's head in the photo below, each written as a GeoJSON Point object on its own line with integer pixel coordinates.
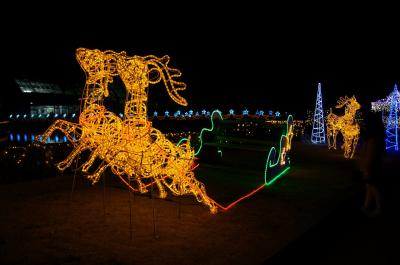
{"type": "Point", "coordinates": [133, 72]}
{"type": "Point", "coordinates": [354, 103]}
{"type": "Point", "coordinates": [158, 69]}
{"type": "Point", "coordinates": [97, 65]}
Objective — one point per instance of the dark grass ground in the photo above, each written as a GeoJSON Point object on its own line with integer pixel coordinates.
{"type": "Point", "coordinates": [347, 236]}
{"type": "Point", "coordinates": [307, 215]}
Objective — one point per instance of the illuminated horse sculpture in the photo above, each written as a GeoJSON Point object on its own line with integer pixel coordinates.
{"type": "Point", "coordinates": [131, 147]}
{"type": "Point", "coordinates": [143, 151]}
{"type": "Point", "coordinates": [345, 124]}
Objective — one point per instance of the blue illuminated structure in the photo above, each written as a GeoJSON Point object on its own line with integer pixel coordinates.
{"type": "Point", "coordinates": [392, 125]}
{"type": "Point", "coordinates": [318, 131]}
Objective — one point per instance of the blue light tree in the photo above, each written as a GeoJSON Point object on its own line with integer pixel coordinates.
{"type": "Point", "coordinates": [392, 125]}
{"type": "Point", "coordinates": [318, 131]}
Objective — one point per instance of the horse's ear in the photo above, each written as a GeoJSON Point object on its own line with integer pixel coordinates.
{"type": "Point", "coordinates": [165, 59]}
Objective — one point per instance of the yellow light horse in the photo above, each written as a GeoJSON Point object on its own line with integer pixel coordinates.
{"type": "Point", "coordinates": [346, 124]}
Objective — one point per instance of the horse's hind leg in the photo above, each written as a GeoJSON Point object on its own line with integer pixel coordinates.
{"type": "Point", "coordinates": [141, 186]}
{"type": "Point", "coordinates": [329, 133]}
{"type": "Point", "coordinates": [199, 191]}
{"type": "Point", "coordinates": [163, 193]}
{"type": "Point", "coordinates": [331, 137]}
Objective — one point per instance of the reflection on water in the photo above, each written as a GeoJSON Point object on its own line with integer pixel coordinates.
{"type": "Point", "coordinates": [28, 138]}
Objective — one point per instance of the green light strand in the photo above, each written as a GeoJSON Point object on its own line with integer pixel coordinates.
{"type": "Point", "coordinates": [269, 163]}
{"type": "Point", "coordinates": [276, 177]}
{"type": "Point", "coordinates": [181, 140]}
{"type": "Point", "coordinates": [202, 130]}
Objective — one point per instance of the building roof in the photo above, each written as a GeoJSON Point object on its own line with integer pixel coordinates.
{"type": "Point", "coordinates": [28, 86]}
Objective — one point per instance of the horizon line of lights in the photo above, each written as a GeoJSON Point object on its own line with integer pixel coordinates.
{"type": "Point", "coordinates": [176, 114]}
{"type": "Point", "coordinates": [204, 112]}
{"type": "Point", "coordinates": [41, 116]}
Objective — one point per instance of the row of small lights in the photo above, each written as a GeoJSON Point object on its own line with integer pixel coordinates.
{"type": "Point", "coordinates": [40, 116]}
{"type": "Point", "coordinates": [178, 113]}
{"type": "Point", "coordinates": [19, 137]}
{"type": "Point", "coordinates": [191, 113]}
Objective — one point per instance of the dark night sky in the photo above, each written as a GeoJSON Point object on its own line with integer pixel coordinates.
{"type": "Point", "coordinates": [236, 57]}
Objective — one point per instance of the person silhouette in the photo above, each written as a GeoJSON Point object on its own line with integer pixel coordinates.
{"type": "Point", "coordinates": [371, 163]}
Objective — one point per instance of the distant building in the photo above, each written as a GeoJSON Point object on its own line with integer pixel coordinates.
{"type": "Point", "coordinates": [31, 98]}
{"type": "Point", "coordinates": [48, 98]}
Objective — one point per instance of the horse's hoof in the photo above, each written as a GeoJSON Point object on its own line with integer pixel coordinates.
{"type": "Point", "coordinates": [162, 195]}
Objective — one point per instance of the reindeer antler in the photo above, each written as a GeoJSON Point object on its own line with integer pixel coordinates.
{"type": "Point", "coordinates": [168, 75]}
{"type": "Point", "coordinates": [342, 101]}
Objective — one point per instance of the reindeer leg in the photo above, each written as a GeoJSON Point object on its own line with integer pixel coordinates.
{"type": "Point", "coordinates": [328, 137]}
{"type": "Point", "coordinates": [346, 147]}
{"type": "Point", "coordinates": [71, 157]}
{"type": "Point", "coordinates": [334, 139]}
{"type": "Point", "coordinates": [90, 161]}
{"type": "Point", "coordinates": [96, 175]}
{"type": "Point", "coordinates": [199, 191]}
{"type": "Point", "coordinates": [203, 197]}
{"type": "Point", "coordinates": [163, 193]}
{"type": "Point", "coordinates": [142, 188]}
{"type": "Point", "coordinates": [64, 126]}
{"type": "Point", "coordinates": [355, 141]}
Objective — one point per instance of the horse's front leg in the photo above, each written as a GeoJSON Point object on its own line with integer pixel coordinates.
{"type": "Point", "coordinates": [199, 191]}
{"type": "Point", "coordinates": [335, 133]}
{"type": "Point", "coordinates": [91, 159]}
{"type": "Point", "coordinates": [71, 157]}
{"type": "Point", "coordinates": [355, 141]}
{"type": "Point", "coordinates": [68, 128]}
{"type": "Point", "coordinates": [94, 178]}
